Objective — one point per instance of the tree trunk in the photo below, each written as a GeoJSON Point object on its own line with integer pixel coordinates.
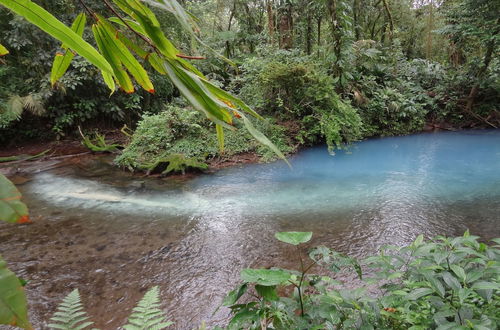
{"type": "Point", "coordinates": [286, 28]}
{"type": "Point", "coordinates": [308, 35]}
{"type": "Point", "coordinates": [229, 25]}
{"type": "Point", "coordinates": [389, 17]}
{"type": "Point", "coordinates": [357, 27]}
{"type": "Point", "coordinates": [270, 21]}
{"type": "Point", "coordinates": [486, 62]}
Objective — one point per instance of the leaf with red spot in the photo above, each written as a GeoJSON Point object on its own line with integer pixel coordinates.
{"type": "Point", "coordinates": [13, 305]}
{"type": "Point", "coordinates": [11, 208]}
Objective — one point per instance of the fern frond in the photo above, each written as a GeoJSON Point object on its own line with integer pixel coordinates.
{"type": "Point", "coordinates": [147, 315]}
{"type": "Point", "coordinates": [15, 106]}
{"type": "Point", "coordinates": [34, 104]}
{"type": "Point", "coordinates": [70, 314]}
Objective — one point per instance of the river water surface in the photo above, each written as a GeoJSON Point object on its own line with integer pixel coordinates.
{"type": "Point", "coordinates": [113, 235]}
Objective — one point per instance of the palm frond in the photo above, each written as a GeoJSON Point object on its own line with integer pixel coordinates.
{"type": "Point", "coordinates": [147, 315]}
{"type": "Point", "coordinates": [34, 104]}
{"type": "Point", "coordinates": [70, 314]}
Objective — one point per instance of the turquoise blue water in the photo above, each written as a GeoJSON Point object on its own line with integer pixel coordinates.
{"type": "Point", "coordinates": [420, 170]}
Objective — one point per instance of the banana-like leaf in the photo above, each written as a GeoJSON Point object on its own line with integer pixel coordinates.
{"type": "Point", "coordinates": [106, 49]}
{"type": "Point", "coordinates": [13, 305]}
{"type": "Point", "coordinates": [124, 55]}
{"type": "Point", "coordinates": [62, 61]}
{"type": "Point", "coordinates": [220, 137]}
{"type": "Point", "coordinates": [48, 23]}
{"type": "Point", "coordinates": [3, 50]}
{"type": "Point", "coordinates": [11, 207]}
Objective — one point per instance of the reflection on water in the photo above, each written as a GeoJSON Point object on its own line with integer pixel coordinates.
{"type": "Point", "coordinates": [113, 235]}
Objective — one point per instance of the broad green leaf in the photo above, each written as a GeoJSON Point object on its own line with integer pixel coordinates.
{"type": "Point", "coordinates": [48, 23]}
{"type": "Point", "coordinates": [62, 61]}
{"type": "Point", "coordinates": [435, 283]}
{"type": "Point", "coordinates": [13, 305]}
{"type": "Point", "coordinates": [3, 50]}
{"type": "Point", "coordinates": [418, 241]}
{"type": "Point", "coordinates": [11, 208]}
{"type": "Point", "coordinates": [463, 294]}
{"type": "Point", "coordinates": [483, 285]}
{"type": "Point", "coordinates": [266, 277]}
{"type": "Point", "coordinates": [267, 292]}
{"type": "Point", "coordinates": [418, 293]}
{"type": "Point", "coordinates": [293, 237]}
{"type": "Point", "coordinates": [233, 296]}
{"type": "Point", "coordinates": [451, 281]}
{"type": "Point", "coordinates": [459, 271]}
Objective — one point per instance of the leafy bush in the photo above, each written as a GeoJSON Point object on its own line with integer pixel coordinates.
{"type": "Point", "coordinates": [184, 131]}
{"type": "Point", "coordinates": [445, 283]}
{"type": "Point", "coordinates": [293, 87]}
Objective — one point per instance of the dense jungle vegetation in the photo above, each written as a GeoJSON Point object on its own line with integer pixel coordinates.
{"type": "Point", "coordinates": [320, 71]}
{"type": "Point", "coordinates": [323, 71]}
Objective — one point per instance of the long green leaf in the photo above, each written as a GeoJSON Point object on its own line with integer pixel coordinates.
{"type": "Point", "coordinates": [124, 55]}
{"type": "Point", "coordinates": [48, 23]}
{"type": "Point", "coordinates": [62, 62]}
{"type": "Point", "coordinates": [220, 137]}
{"type": "Point", "coordinates": [13, 305]}
{"type": "Point", "coordinates": [262, 138]}
{"type": "Point", "coordinates": [120, 74]}
{"type": "Point", "coordinates": [195, 95]}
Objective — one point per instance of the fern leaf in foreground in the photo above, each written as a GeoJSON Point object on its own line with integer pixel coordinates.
{"type": "Point", "coordinates": [70, 314]}
{"type": "Point", "coordinates": [147, 315]}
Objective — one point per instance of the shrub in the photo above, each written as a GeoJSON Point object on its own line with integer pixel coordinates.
{"type": "Point", "coordinates": [293, 87]}
{"type": "Point", "coordinates": [184, 131]}
{"type": "Point", "coordinates": [445, 283]}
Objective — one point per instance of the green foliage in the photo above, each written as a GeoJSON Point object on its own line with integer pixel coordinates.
{"type": "Point", "coordinates": [147, 314]}
{"type": "Point", "coordinates": [70, 314]}
{"type": "Point", "coordinates": [183, 131]}
{"type": "Point", "coordinates": [98, 143]}
{"type": "Point", "coordinates": [293, 237]}
{"type": "Point", "coordinates": [13, 305]}
{"type": "Point", "coordinates": [444, 283]}
{"type": "Point", "coordinates": [293, 87]}
{"type": "Point", "coordinates": [176, 163]}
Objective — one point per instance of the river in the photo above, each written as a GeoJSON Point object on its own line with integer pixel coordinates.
{"type": "Point", "coordinates": [113, 235]}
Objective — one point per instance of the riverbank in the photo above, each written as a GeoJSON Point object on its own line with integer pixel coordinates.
{"type": "Point", "coordinates": [71, 151]}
